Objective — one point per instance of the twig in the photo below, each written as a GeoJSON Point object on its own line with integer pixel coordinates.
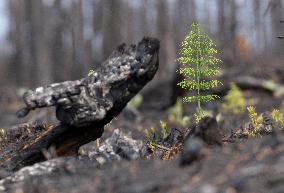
{"type": "Point", "coordinates": [162, 147]}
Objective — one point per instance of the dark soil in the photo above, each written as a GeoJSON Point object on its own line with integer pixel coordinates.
{"type": "Point", "coordinates": [251, 166]}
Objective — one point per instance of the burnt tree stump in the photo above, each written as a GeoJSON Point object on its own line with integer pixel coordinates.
{"type": "Point", "coordinates": [84, 106]}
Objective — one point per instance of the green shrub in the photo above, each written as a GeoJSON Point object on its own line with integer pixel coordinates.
{"type": "Point", "coordinates": [234, 101]}
{"type": "Point", "coordinates": [150, 136]}
{"type": "Point", "coordinates": [278, 118]}
{"type": "Point", "coordinates": [164, 129]}
{"type": "Point", "coordinates": [255, 122]}
{"type": "Point", "coordinates": [176, 114]}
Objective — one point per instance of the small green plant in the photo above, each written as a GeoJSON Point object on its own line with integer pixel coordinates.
{"type": "Point", "coordinates": [203, 113]}
{"type": "Point", "coordinates": [136, 101]}
{"type": "Point", "coordinates": [277, 117]}
{"type": "Point", "coordinates": [164, 129]}
{"type": "Point", "coordinates": [176, 114]}
{"type": "Point", "coordinates": [255, 122]}
{"type": "Point", "coordinates": [197, 57]}
{"type": "Point", "coordinates": [150, 136]}
{"type": "Point", "coordinates": [234, 101]}
{"type": "Point", "coordinates": [91, 72]}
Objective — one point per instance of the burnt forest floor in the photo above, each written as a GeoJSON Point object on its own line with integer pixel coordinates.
{"type": "Point", "coordinates": [245, 165]}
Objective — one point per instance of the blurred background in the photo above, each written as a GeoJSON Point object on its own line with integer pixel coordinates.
{"type": "Point", "coordinates": [46, 41]}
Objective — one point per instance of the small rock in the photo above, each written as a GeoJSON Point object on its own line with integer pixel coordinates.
{"type": "Point", "coordinates": [63, 164]}
{"type": "Point", "coordinates": [4, 173]}
{"type": "Point", "coordinates": [205, 133]}
{"type": "Point", "coordinates": [208, 131]}
{"type": "Point", "coordinates": [118, 146]}
{"type": "Point", "coordinates": [191, 151]}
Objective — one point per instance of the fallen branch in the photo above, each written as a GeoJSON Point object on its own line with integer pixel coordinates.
{"type": "Point", "coordinates": [250, 83]}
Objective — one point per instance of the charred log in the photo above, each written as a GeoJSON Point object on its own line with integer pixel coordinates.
{"type": "Point", "coordinates": [85, 106]}
{"type": "Point", "coordinates": [100, 97]}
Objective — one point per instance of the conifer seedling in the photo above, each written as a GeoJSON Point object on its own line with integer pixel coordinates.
{"type": "Point", "coordinates": [198, 66]}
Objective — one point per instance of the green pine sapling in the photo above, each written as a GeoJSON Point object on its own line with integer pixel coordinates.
{"type": "Point", "coordinates": [198, 63]}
